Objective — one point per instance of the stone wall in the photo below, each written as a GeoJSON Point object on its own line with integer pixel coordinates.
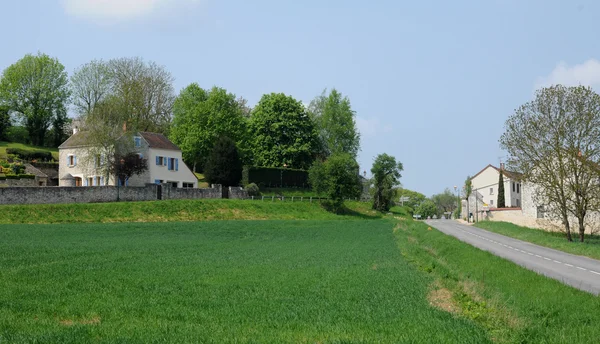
{"type": "Point", "coordinates": [96, 194]}
{"type": "Point", "coordinates": [19, 182]}
{"type": "Point", "coordinates": [237, 193]}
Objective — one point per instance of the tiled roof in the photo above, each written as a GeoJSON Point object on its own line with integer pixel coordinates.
{"type": "Point", "coordinates": [29, 169]}
{"type": "Point", "coordinates": [158, 141]}
{"type": "Point", "coordinates": [76, 140]}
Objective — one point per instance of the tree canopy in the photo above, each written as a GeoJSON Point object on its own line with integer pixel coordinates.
{"type": "Point", "coordinates": [445, 201]}
{"type": "Point", "coordinates": [337, 178]}
{"type": "Point", "coordinates": [201, 116]}
{"type": "Point", "coordinates": [224, 165]}
{"type": "Point", "coordinates": [282, 133]}
{"type": "Point", "coordinates": [386, 175]}
{"type": "Point", "coordinates": [36, 89]}
{"type": "Point", "coordinates": [335, 123]}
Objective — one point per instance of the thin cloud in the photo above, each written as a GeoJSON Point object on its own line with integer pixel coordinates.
{"type": "Point", "coordinates": [586, 74]}
{"type": "Point", "coordinates": [120, 10]}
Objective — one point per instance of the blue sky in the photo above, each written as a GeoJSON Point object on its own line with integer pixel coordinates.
{"type": "Point", "coordinates": [432, 82]}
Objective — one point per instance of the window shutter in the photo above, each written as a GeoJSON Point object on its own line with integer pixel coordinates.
{"type": "Point", "coordinates": [164, 161]}
{"type": "Point", "coordinates": [102, 181]}
{"type": "Point", "coordinates": [176, 164]}
{"type": "Point", "coordinates": [127, 182]}
{"type": "Point", "coordinates": [68, 160]}
{"type": "Point", "coordinates": [156, 181]}
{"type": "Point", "coordinates": [85, 182]}
{"type": "Point", "coordinates": [74, 160]}
{"type": "Point", "coordinates": [157, 162]}
{"type": "Point", "coordinates": [93, 181]}
{"type": "Point", "coordinates": [169, 164]}
{"type": "Point", "coordinates": [119, 182]}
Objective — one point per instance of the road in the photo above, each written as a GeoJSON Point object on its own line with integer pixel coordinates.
{"type": "Point", "coordinates": [577, 271]}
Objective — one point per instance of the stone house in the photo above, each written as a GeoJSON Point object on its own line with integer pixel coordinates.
{"type": "Point", "coordinates": [165, 163]}
{"type": "Point", "coordinates": [485, 184]}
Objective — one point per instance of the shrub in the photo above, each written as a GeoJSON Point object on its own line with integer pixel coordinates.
{"type": "Point", "coordinates": [12, 176]}
{"type": "Point", "coordinates": [224, 165]}
{"type": "Point", "coordinates": [337, 178]}
{"type": "Point", "coordinates": [253, 190]}
{"type": "Point", "coordinates": [275, 177]}
{"type": "Point", "coordinates": [30, 154]}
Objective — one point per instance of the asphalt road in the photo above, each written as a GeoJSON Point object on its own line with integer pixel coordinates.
{"type": "Point", "coordinates": [577, 271]}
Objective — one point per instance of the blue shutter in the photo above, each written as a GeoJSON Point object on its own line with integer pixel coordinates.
{"type": "Point", "coordinates": [74, 160]}
{"type": "Point", "coordinates": [127, 182]}
{"type": "Point", "coordinates": [93, 181]}
{"type": "Point", "coordinates": [119, 182]}
{"type": "Point", "coordinates": [164, 161]}
{"type": "Point", "coordinates": [170, 166]}
{"type": "Point", "coordinates": [156, 181]}
{"type": "Point", "coordinates": [102, 181]}
{"type": "Point", "coordinates": [176, 164]}
{"type": "Point", "coordinates": [157, 162]}
{"type": "Point", "coordinates": [68, 160]}
{"type": "Point", "coordinates": [85, 182]}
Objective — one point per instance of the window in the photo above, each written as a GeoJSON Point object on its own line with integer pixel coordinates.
{"type": "Point", "coordinates": [491, 191]}
{"type": "Point", "coordinates": [518, 202]}
{"type": "Point", "coordinates": [513, 186]}
{"type": "Point", "coordinates": [188, 185]}
{"type": "Point", "coordinates": [160, 161]}
{"type": "Point", "coordinates": [98, 181]}
{"type": "Point", "coordinates": [174, 185]}
{"type": "Point", "coordinates": [98, 160]}
{"type": "Point", "coordinates": [518, 188]}
{"type": "Point", "coordinates": [541, 212]}
{"type": "Point", "coordinates": [71, 160]}
{"type": "Point", "coordinates": [173, 164]}
{"type": "Point", "coordinates": [90, 181]}
{"type": "Point", "coordinates": [491, 202]}
{"type": "Point", "coordinates": [138, 141]}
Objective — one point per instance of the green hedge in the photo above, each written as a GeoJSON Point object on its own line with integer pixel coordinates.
{"type": "Point", "coordinates": [274, 177]}
{"type": "Point", "coordinates": [27, 176]}
{"type": "Point", "coordinates": [12, 176]}
{"type": "Point", "coordinates": [2, 176]}
{"type": "Point", "coordinates": [30, 154]}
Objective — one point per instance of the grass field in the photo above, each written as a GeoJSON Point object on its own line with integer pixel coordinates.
{"type": "Point", "coordinates": [514, 304]}
{"type": "Point", "coordinates": [179, 210]}
{"type": "Point", "coordinates": [4, 145]}
{"type": "Point", "coordinates": [218, 282]}
{"type": "Point", "coordinates": [556, 240]}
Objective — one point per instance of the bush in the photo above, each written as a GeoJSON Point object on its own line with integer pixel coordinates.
{"type": "Point", "coordinates": [337, 178]}
{"type": "Point", "coordinates": [17, 134]}
{"type": "Point", "coordinates": [253, 190]}
{"type": "Point", "coordinates": [275, 177]}
{"type": "Point", "coordinates": [224, 165]}
{"type": "Point", "coordinates": [30, 154]}
{"type": "Point", "coordinates": [12, 176]}
{"type": "Point", "coordinates": [26, 176]}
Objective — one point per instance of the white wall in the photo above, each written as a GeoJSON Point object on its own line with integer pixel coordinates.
{"type": "Point", "coordinates": [84, 168]}
{"type": "Point", "coordinates": [183, 175]}
{"type": "Point", "coordinates": [488, 179]}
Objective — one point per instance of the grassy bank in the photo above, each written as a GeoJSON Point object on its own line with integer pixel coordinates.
{"type": "Point", "coordinates": [4, 145]}
{"type": "Point", "coordinates": [177, 210]}
{"type": "Point", "coordinates": [515, 305]}
{"type": "Point", "coordinates": [217, 282]}
{"type": "Point", "coordinates": [556, 240]}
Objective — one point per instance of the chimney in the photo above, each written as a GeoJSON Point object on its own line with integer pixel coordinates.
{"type": "Point", "coordinates": [75, 130]}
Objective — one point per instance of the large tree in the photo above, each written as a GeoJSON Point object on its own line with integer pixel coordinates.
{"type": "Point", "coordinates": [224, 165]}
{"type": "Point", "coordinates": [91, 84]}
{"type": "Point", "coordinates": [282, 133]}
{"type": "Point", "coordinates": [5, 122]}
{"type": "Point", "coordinates": [337, 178]}
{"type": "Point", "coordinates": [36, 89]}
{"type": "Point", "coordinates": [386, 175]}
{"type": "Point", "coordinates": [335, 122]}
{"type": "Point", "coordinates": [445, 201]}
{"type": "Point", "coordinates": [201, 116]}
{"type": "Point", "coordinates": [414, 198]}
{"type": "Point", "coordinates": [554, 141]}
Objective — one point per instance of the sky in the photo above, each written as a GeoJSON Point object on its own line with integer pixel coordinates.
{"type": "Point", "coordinates": [432, 82]}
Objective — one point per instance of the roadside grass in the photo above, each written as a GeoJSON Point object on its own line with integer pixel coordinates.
{"type": "Point", "coordinates": [288, 192]}
{"type": "Point", "coordinates": [4, 145]}
{"type": "Point", "coordinates": [515, 305]}
{"type": "Point", "coordinates": [221, 282]}
{"type": "Point", "coordinates": [180, 210]}
{"type": "Point", "coordinates": [556, 240]}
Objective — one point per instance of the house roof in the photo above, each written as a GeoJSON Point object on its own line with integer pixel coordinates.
{"type": "Point", "coordinates": [80, 139]}
{"type": "Point", "coordinates": [159, 141]}
{"type": "Point", "coordinates": [29, 169]}
{"type": "Point", "coordinates": [509, 174]}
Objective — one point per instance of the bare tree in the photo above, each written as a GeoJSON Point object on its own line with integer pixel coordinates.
{"type": "Point", "coordinates": [554, 141]}
{"type": "Point", "coordinates": [90, 84]}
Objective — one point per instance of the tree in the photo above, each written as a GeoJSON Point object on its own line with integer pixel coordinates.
{"type": "Point", "coordinates": [90, 84]}
{"type": "Point", "coordinates": [337, 178]}
{"type": "Point", "coordinates": [501, 201]}
{"type": "Point", "coordinates": [282, 133]}
{"type": "Point", "coordinates": [467, 190]}
{"type": "Point", "coordinates": [36, 89]}
{"type": "Point", "coordinates": [427, 209]}
{"type": "Point", "coordinates": [414, 198]}
{"type": "Point", "coordinates": [224, 165]}
{"type": "Point", "coordinates": [445, 201]}
{"type": "Point", "coordinates": [335, 123]}
{"type": "Point", "coordinates": [124, 165]}
{"type": "Point", "coordinates": [386, 175]}
{"type": "Point", "coordinates": [5, 122]}
{"type": "Point", "coordinates": [201, 116]}
{"type": "Point", "coordinates": [554, 141]}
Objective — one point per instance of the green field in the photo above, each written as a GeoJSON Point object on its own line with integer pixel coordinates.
{"type": "Point", "coordinates": [229, 281]}
{"type": "Point", "coordinates": [4, 145]}
{"type": "Point", "coordinates": [556, 240]}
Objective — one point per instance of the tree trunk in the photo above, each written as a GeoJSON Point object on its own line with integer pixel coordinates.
{"type": "Point", "coordinates": [581, 229]}
{"type": "Point", "coordinates": [567, 228]}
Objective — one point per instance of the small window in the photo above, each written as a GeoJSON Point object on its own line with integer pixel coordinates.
{"type": "Point", "coordinates": [513, 187]}
{"type": "Point", "coordinates": [98, 160]}
{"type": "Point", "coordinates": [491, 202]}
{"type": "Point", "coordinates": [98, 181]}
{"type": "Point", "coordinates": [541, 212]}
{"type": "Point", "coordinates": [518, 188]}
{"type": "Point", "coordinates": [174, 185]}
{"type": "Point", "coordinates": [90, 181]}
{"type": "Point", "coordinates": [160, 161]}
{"type": "Point", "coordinates": [491, 191]}
{"type": "Point", "coordinates": [518, 202]}
{"type": "Point", "coordinates": [188, 185]}
{"type": "Point", "coordinates": [71, 160]}
{"type": "Point", "coordinates": [171, 164]}
{"type": "Point", "coordinates": [138, 141]}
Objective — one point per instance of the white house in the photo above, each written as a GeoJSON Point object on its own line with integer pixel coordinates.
{"type": "Point", "coordinates": [165, 163]}
{"type": "Point", "coordinates": [485, 185]}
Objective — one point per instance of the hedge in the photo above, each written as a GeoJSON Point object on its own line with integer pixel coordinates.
{"type": "Point", "coordinates": [27, 176]}
{"type": "Point", "coordinates": [30, 154]}
{"type": "Point", "coordinates": [274, 177]}
{"type": "Point", "coordinates": [12, 176]}
{"type": "Point", "coordinates": [16, 176]}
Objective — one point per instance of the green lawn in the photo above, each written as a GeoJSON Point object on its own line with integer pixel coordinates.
{"type": "Point", "coordinates": [556, 240]}
{"type": "Point", "coordinates": [202, 183]}
{"type": "Point", "coordinates": [4, 145]}
{"type": "Point", "coordinates": [515, 305]}
{"type": "Point", "coordinates": [218, 282]}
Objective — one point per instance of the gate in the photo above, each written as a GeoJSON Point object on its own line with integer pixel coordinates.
{"type": "Point", "coordinates": [159, 192]}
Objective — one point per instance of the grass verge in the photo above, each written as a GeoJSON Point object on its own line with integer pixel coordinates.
{"type": "Point", "coordinates": [179, 210]}
{"type": "Point", "coordinates": [4, 145]}
{"type": "Point", "coordinates": [556, 240]}
{"type": "Point", "coordinates": [515, 305]}
{"type": "Point", "coordinates": [217, 282]}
